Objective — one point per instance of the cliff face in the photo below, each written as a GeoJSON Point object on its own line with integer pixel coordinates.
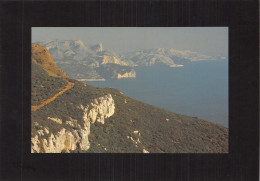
{"type": "Point", "coordinates": [127, 75]}
{"type": "Point", "coordinates": [45, 140]}
{"type": "Point", "coordinates": [70, 116]}
{"type": "Point", "coordinates": [113, 60]}
{"type": "Point", "coordinates": [116, 71]}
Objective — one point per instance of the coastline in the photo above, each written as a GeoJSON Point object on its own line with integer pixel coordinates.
{"type": "Point", "coordinates": [176, 65]}
{"type": "Point", "coordinates": [91, 80]}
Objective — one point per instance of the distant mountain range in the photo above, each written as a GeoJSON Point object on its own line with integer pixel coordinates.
{"type": "Point", "coordinates": [93, 62]}
{"type": "Point", "coordinates": [82, 62]}
{"type": "Point", "coordinates": [166, 56]}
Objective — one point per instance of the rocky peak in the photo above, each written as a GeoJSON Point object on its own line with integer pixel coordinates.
{"type": "Point", "coordinates": [79, 42]}
{"type": "Point", "coordinates": [160, 50]}
{"type": "Point", "coordinates": [97, 48]}
{"type": "Point", "coordinates": [77, 45]}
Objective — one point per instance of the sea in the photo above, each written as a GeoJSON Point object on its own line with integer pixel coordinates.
{"type": "Point", "coordinates": [198, 89]}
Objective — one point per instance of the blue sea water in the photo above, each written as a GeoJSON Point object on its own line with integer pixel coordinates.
{"type": "Point", "coordinates": [198, 89]}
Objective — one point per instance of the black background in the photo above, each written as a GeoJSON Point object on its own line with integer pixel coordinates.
{"type": "Point", "coordinates": [241, 164]}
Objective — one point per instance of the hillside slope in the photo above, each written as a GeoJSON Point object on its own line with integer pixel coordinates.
{"type": "Point", "coordinates": [85, 119]}
{"type": "Point", "coordinates": [42, 57]}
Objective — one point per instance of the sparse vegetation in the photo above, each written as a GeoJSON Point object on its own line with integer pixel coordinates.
{"type": "Point", "coordinates": [160, 130]}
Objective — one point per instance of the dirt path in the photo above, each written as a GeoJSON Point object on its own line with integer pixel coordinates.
{"type": "Point", "coordinates": [43, 103]}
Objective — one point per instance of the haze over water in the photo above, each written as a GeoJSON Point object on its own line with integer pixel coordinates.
{"type": "Point", "coordinates": [198, 89]}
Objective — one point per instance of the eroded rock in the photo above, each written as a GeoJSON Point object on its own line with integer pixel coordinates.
{"type": "Point", "coordinates": [77, 138]}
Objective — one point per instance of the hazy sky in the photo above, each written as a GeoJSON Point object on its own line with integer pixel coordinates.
{"type": "Point", "coordinates": [207, 40]}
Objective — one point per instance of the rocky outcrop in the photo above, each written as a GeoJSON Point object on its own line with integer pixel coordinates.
{"type": "Point", "coordinates": [113, 60]}
{"type": "Point", "coordinates": [97, 48]}
{"type": "Point", "coordinates": [99, 109]}
{"type": "Point", "coordinates": [116, 71]}
{"type": "Point", "coordinates": [131, 74]}
{"type": "Point", "coordinates": [42, 57]}
{"type": "Point", "coordinates": [63, 141]}
{"type": "Point", "coordinates": [47, 140]}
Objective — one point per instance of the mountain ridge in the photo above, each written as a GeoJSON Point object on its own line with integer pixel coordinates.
{"type": "Point", "coordinates": [168, 56]}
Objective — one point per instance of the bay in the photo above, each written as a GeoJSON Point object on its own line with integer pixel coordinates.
{"type": "Point", "coordinates": [197, 89]}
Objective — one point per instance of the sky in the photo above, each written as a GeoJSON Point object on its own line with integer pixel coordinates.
{"type": "Point", "coordinates": [206, 40]}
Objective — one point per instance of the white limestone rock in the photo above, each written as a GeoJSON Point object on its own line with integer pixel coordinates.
{"type": "Point", "coordinates": [130, 74]}
{"type": "Point", "coordinates": [56, 120]}
{"type": "Point", "coordinates": [66, 140]}
{"type": "Point", "coordinates": [145, 151]}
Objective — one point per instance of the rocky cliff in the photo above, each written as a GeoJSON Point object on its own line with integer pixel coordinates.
{"type": "Point", "coordinates": [72, 117]}
{"type": "Point", "coordinates": [45, 140]}
{"type": "Point", "coordinates": [112, 59]}
{"type": "Point", "coordinates": [127, 75]}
